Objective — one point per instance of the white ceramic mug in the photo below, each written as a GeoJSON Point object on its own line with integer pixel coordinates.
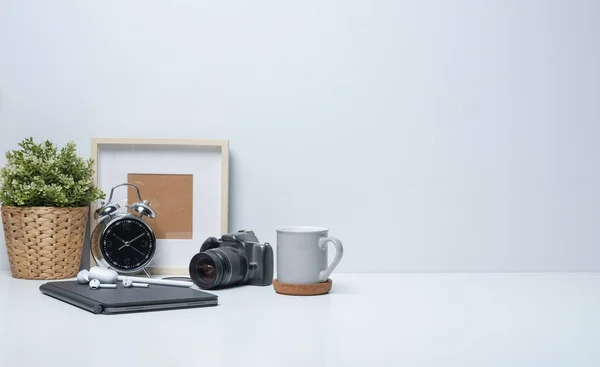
{"type": "Point", "coordinates": [302, 254]}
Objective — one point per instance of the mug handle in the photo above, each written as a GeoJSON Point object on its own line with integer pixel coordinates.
{"type": "Point", "coordinates": [323, 241]}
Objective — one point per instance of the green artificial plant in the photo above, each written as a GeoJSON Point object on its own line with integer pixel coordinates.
{"type": "Point", "coordinates": [44, 175]}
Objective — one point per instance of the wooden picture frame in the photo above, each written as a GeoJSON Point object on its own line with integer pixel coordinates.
{"type": "Point", "coordinates": [148, 153]}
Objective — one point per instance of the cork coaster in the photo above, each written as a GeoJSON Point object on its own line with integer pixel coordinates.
{"type": "Point", "coordinates": [302, 289]}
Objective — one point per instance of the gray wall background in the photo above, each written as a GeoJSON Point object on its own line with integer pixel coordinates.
{"type": "Point", "coordinates": [428, 135]}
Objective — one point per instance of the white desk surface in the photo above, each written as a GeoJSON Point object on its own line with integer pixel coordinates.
{"type": "Point", "coordinates": [481, 320]}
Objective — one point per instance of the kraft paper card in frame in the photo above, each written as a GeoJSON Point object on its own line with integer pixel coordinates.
{"type": "Point", "coordinates": [186, 182]}
{"type": "Point", "coordinates": [171, 197]}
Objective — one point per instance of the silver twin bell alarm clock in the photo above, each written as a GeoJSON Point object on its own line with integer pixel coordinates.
{"type": "Point", "coordinates": [123, 241]}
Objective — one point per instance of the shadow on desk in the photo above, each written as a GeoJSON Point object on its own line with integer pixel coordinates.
{"type": "Point", "coordinates": [343, 288]}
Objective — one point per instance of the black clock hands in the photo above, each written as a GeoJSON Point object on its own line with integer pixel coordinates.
{"type": "Point", "coordinates": [137, 238]}
{"type": "Point", "coordinates": [125, 243]}
{"type": "Point", "coordinates": [128, 243]}
{"type": "Point", "coordinates": [138, 251]}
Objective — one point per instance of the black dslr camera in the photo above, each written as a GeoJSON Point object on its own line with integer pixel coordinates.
{"type": "Point", "coordinates": [235, 259]}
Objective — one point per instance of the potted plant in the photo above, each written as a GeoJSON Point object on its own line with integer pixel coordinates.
{"type": "Point", "coordinates": [45, 194]}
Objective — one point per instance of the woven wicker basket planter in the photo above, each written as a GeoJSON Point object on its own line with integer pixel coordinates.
{"type": "Point", "coordinates": [44, 242]}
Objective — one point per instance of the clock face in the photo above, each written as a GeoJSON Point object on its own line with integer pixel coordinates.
{"type": "Point", "coordinates": [128, 243]}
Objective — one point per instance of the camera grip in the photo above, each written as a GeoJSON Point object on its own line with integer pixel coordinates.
{"type": "Point", "coordinates": [339, 252]}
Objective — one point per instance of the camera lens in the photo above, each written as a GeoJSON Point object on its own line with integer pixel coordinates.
{"type": "Point", "coordinates": [218, 267]}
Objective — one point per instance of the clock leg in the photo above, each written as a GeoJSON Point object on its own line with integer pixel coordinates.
{"type": "Point", "coordinates": [147, 273]}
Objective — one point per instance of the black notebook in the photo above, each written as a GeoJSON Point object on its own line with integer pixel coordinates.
{"type": "Point", "coordinates": [121, 299]}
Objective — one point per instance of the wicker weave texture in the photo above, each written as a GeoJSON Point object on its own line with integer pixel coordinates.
{"type": "Point", "coordinates": [44, 242]}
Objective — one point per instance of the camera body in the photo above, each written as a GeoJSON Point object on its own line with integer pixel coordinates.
{"type": "Point", "coordinates": [236, 258]}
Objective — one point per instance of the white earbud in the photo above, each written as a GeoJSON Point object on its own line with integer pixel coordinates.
{"type": "Point", "coordinates": [95, 284]}
{"type": "Point", "coordinates": [82, 277]}
{"type": "Point", "coordinates": [128, 283]}
{"type": "Point", "coordinates": [110, 276]}
{"type": "Point", "coordinates": [103, 275]}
